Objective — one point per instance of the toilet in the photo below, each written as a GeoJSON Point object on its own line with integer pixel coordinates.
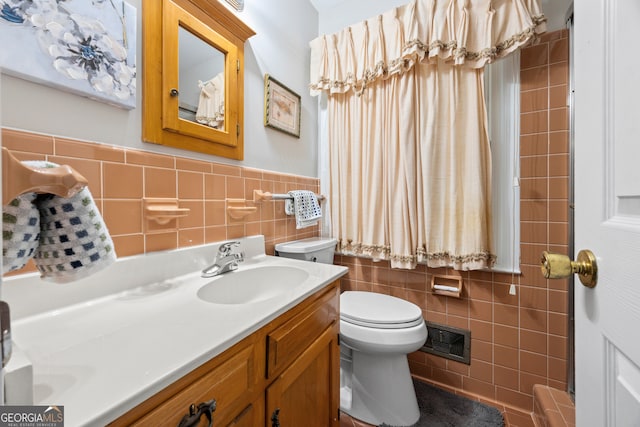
{"type": "Point", "coordinates": [316, 249]}
{"type": "Point", "coordinates": [376, 333]}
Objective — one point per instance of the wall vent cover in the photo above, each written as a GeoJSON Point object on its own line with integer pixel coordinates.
{"type": "Point", "coordinates": [449, 342]}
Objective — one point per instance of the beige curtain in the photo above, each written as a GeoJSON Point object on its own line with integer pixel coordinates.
{"type": "Point", "coordinates": [410, 161]}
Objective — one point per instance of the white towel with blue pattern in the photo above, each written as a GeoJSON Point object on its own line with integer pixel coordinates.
{"type": "Point", "coordinates": [20, 232]}
{"type": "Point", "coordinates": [304, 205]}
{"type": "Point", "coordinates": [73, 238]}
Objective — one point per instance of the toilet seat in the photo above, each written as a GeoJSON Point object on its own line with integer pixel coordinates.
{"type": "Point", "coordinates": [373, 310]}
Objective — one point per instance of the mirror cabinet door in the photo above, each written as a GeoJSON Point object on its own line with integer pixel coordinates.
{"type": "Point", "coordinates": [199, 57]}
{"type": "Point", "coordinates": [193, 77]}
{"type": "Point", "coordinates": [201, 81]}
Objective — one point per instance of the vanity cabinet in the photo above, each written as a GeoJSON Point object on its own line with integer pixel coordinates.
{"type": "Point", "coordinates": [290, 368]}
{"type": "Point", "coordinates": [251, 416]}
{"type": "Point", "coordinates": [303, 395]}
{"type": "Point", "coordinates": [229, 379]}
{"type": "Point", "coordinates": [303, 359]}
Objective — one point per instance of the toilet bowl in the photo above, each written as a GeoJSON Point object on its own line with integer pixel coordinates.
{"type": "Point", "coordinates": [376, 333]}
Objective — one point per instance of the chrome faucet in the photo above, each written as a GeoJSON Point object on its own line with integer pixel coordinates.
{"type": "Point", "coordinates": [226, 260]}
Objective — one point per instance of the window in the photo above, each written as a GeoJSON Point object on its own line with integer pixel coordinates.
{"type": "Point", "coordinates": [502, 86]}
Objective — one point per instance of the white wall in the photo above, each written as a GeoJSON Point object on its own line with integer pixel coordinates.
{"type": "Point", "coordinates": [337, 14]}
{"type": "Point", "coordinates": [280, 48]}
{"type": "Point", "coordinates": [555, 11]}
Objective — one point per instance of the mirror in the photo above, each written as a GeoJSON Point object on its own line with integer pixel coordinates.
{"type": "Point", "coordinates": [193, 82]}
{"type": "Point", "coordinates": [201, 81]}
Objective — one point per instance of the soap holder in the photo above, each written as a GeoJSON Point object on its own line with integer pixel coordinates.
{"type": "Point", "coordinates": [237, 209]}
{"type": "Point", "coordinates": [162, 211]}
{"type": "Point", "coordinates": [450, 286]}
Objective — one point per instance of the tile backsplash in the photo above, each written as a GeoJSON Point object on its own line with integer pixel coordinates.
{"type": "Point", "coordinates": [120, 178]}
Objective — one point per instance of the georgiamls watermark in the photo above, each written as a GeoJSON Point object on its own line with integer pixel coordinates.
{"type": "Point", "coordinates": [31, 416]}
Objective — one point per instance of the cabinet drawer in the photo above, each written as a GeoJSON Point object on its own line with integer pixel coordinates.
{"type": "Point", "coordinates": [288, 341]}
{"type": "Point", "coordinates": [229, 383]}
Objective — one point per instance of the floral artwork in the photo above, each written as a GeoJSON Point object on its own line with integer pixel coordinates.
{"type": "Point", "coordinates": [85, 46]}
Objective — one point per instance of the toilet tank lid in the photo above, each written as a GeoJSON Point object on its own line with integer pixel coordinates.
{"type": "Point", "coordinates": [306, 245]}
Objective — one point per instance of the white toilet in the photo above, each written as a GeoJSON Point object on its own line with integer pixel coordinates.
{"type": "Point", "coordinates": [376, 333]}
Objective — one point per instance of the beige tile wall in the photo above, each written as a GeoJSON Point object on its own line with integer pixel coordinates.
{"type": "Point", "coordinates": [517, 341]}
{"type": "Point", "coordinates": [119, 178]}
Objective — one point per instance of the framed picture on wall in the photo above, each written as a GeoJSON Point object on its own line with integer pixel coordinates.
{"type": "Point", "coordinates": [80, 46]}
{"type": "Point", "coordinates": [281, 107]}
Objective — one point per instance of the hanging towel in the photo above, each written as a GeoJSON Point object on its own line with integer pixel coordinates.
{"type": "Point", "coordinates": [20, 232]}
{"type": "Point", "coordinates": [210, 110]}
{"type": "Point", "coordinates": [74, 241]}
{"type": "Point", "coordinates": [304, 205]}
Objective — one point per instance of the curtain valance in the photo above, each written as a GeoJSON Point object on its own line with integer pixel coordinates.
{"type": "Point", "coordinates": [470, 33]}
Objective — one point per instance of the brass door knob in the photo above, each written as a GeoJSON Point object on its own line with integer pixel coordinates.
{"type": "Point", "coordinates": [558, 266]}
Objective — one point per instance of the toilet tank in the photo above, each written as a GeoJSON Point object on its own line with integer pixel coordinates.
{"type": "Point", "coordinates": [316, 249]}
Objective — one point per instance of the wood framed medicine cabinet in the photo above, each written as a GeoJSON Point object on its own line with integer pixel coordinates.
{"type": "Point", "coordinates": [175, 34]}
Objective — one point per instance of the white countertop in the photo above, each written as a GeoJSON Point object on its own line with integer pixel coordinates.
{"type": "Point", "coordinates": [101, 357]}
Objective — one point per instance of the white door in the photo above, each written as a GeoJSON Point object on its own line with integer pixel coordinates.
{"type": "Point", "coordinates": [607, 214]}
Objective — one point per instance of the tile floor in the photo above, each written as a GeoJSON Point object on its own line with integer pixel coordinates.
{"type": "Point", "coordinates": [560, 414]}
{"type": "Point", "coordinates": [511, 418]}
{"type": "Point", "coordinates": [347, 421]}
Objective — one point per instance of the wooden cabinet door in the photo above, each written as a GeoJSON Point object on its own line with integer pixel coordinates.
{"type": "Point", "coordinates": [251, 416]}
{"type": "Point", "coordinates": [307, 392]}
{"type": "Point", "coordinates": [286, 343]}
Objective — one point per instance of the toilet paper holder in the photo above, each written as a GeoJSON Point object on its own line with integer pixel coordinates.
{"type": "Point", "coordinates": [450, 286]}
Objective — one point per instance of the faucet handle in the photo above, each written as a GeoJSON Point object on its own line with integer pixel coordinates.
{"type": "Point", "coordinates": [225, 248]}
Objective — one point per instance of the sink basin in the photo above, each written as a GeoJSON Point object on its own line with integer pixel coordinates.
{"type": "Point", "coordinates": [252, 285]}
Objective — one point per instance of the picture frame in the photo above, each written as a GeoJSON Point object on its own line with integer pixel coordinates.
{"type": "Point", "coordinates": [76, 47]}
{"type": "Point", "coordinates": [281, 107]}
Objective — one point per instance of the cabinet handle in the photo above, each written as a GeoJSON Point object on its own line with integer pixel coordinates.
{"type": "Point", "coordinates": [192, 419]}
{"type": "Point", "coordinates": [275, 418]}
